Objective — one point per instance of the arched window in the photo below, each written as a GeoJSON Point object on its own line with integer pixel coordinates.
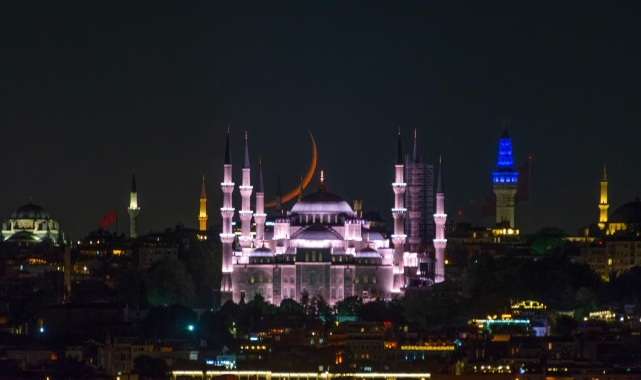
{"type": "Point", "coordinates": [374, 280]}
{"type": "Point", "coordinates": [251, 279]}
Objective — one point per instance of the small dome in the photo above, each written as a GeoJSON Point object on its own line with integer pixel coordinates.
{"type": "Point", "coordinates": [322, 201]}
{"type": "Point", "coordinates": [262, 252]}
{"type": "Point", "coordinates": [368, 253]}
{"type": "Point", "coordinates": [629, 213]}
{"type": "Point", "coordinates": [30, 211]}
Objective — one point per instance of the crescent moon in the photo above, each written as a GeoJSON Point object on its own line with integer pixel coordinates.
{"type": "Point", "coordinates": [306, 179]}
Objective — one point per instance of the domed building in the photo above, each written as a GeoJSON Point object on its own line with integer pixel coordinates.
{"type": "Point", "coordinates": [30, 224]}
{"type": "Point", "coordinates": [626, 217]}
{"type": "Point", "coordinates": [321, 246]}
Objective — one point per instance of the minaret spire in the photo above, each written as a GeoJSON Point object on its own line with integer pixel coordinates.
{"type": "Point", "coordinates": [440, 218]}
{"type": "Point", "coordinates": [279, 197]}
{"type": "Point", "coordinates": [245, 192]}
{"type": "Point", "coordinates": [398, 212]}
{"type": "Point", "coordinates": [415, 152]}
{"type": "Point", "coordinates": [227, 235]}
{"type": "Point", "coordinates": [227, 150]}
{"type": "Point", "coordinates": [133, 209]}
{"type": "Point", "coordinates": [260, 216]}
{"type": "Point", "coordinates": [399, 150]}
{"type": "Point", "coordinates": [202, 215]}
{"type": "Point", "coordinates": [603, 200]}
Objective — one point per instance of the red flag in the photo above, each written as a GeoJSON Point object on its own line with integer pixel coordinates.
{"type": "Point", "coordinates": [109, 218]}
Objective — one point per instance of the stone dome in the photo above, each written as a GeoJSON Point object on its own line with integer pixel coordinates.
{"type": "Point", "coordinates": [629, 213]}
{"type": "Point", "coordinates": [369, 253]}
{"type": "Point", "coordinates": [30, 211]}
{"type": "Point", "coordinates": [262, 252]}
{"type": "Point", "coordinates": [322, 202]}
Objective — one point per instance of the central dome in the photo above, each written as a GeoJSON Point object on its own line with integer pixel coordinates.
{"type": "Point", "coordinates": [30, 211]}
{"type": "Point", "coordinates": [322, 202]}
{"type": "Point", "coordinates": [629, 213]}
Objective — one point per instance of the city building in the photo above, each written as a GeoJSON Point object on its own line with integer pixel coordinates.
{"type": "Point", "coordinates": [321, 246]}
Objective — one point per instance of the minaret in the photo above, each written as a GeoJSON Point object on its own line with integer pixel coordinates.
{"type": "Point", "coordinates": [279, 198]}
{"type": "Point", "coordinates": [260, 216]}
{"type": "Point", "coordinates": [603, 202]}
{"type": "Point", "coordinates": [245, 193]}
{"type": "Point", "coordinates": [133, 209]}
{"type": "Point", "coordinates": [439, 220]}
{"type": "Point", "coordinates": [202, 214]}
{"type": "Point", "coordinates": [505, 180]}
{"type": "Point", "coordinates": [227, 236]}
{"type": "Point", "coordinates": [398, 212]}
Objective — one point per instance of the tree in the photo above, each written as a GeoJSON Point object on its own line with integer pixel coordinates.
{"type": "Point", "coordinates": [349, 306]}
{"type": "Point", "coordinates": [169, 283]}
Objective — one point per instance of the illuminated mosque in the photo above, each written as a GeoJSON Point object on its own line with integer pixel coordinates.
{"type": "Point", "coordinates": [625, 219]}
{"type": "Point", "coordinates": [29, 225]}
{"type": "Point", "coordinates": [321, 246]}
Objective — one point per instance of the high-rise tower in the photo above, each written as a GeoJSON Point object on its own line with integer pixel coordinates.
{"type": "Point", "coordinates": [227, 236]}
{"type": "Point", "coordinates": [603, 201]}
{"type": "Point", "coordinates": [245, 192]}
{"type": "Point", "coordinates": [419, 200]}
{"type": "Point", "coordinates": [260, 216]}
{"type": "Point", "coordinates": [439, 220]}
{"type": "Point", "coordinates": [133, 209]}
{"type": "Point", "coordinates": [202, 214]}
{"type": "Point", "coordinates": [398, 212]}
{"type": "Point", "coordinates": [505, 182]}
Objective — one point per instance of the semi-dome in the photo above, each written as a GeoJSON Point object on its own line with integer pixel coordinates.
{"type": "Point", "coordinates": [322, 201]}
{"type": "Point", "coordinates": [30, 211]}
{"type": "Point", "coordinates": [629, 213]}
{"type": "Point", "coordinates": [262, 252]}
{"type": "Point", "coordinates": [368, 253]}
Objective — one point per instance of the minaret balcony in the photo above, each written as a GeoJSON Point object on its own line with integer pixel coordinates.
{"type": "Point", "coordinates": [227, 238]}
{"type": "Point", "coordinates": [227, 211]}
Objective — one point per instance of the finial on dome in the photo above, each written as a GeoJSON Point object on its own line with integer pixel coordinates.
{"type": "Point", "coordinates": [321, 188]}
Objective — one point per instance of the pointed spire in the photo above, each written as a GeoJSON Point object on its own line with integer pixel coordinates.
{"type": "Point", "coordinates": [246, 161]}
{"type": "Point", "coordinates": [260, 187]}
{"type": "Point", "coordinates": [439, 180]}
{"type": "Point", "coordinates": [415, 152]}
{"type": "Point", "coordinates": [300, 188]}
{"type": "Point", "coordinates": [505, 134]}
{"type": "Point", "coordinates": [227, 151]}
{"type": "Point", "coordinates": [322, 188]}
{"type": "Point", "coordinates": [279, 191]}
{"type": "Point", "coordinates": [203, 194]}
{"type": "Point", "coordinates": [399, 152]}
{"type": "Point", "coordinates": [133, 183]}
{"type": "Point", "coordinates": [605, 174]}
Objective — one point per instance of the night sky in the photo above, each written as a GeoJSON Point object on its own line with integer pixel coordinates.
{"type": "Point", "coordinates": [94, 91]}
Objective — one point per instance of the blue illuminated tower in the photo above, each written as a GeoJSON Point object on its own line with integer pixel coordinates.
{"type": "Point", "coordinates": [504, 180]}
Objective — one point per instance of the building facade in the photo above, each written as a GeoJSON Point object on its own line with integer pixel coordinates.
{"type": "Point", "coordinates": [320, 247]}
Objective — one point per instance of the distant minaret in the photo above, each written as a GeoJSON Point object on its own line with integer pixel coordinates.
{"type": "Point", "coordinates": [202, 215]}
{"type": "Point", "coordinates": [439, 220]}
{"type": "Point", "coordinates": [398, 212]}
{"type": "Point", "coordinates": [603, 202]}
{"type": "Point", "coordinates": [245, 192]}
{"type": "Point", "coordinates": [279, 198]}
{"type": "Point", "coordinates": [505, 181]}
{"type": "Point", "coordinates": [133, 209]}
{"type": "Point", "coordinates": [227, 236]}
{"type": "Point", "coordinates": [260, 216]}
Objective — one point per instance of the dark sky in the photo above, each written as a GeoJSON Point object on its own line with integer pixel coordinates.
{"type": "Point", "coordinates": [93, 91]}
